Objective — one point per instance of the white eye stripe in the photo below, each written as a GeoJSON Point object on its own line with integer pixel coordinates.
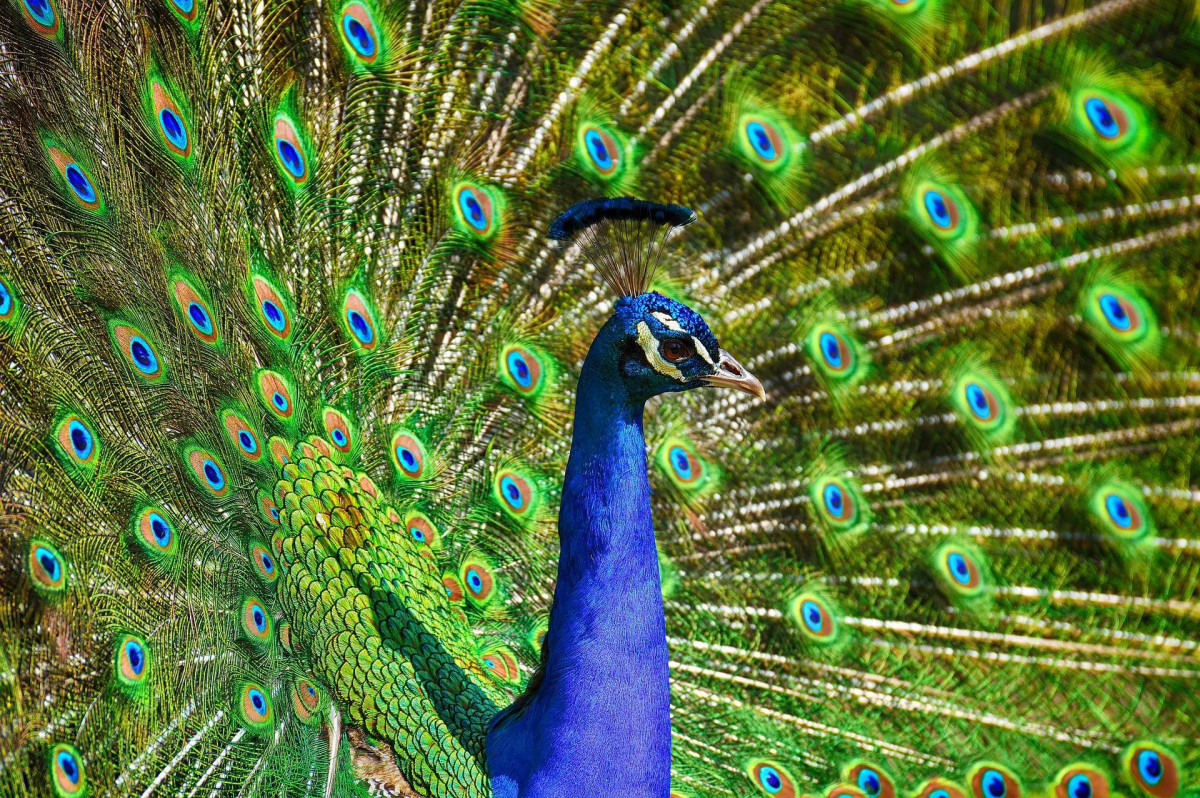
{"type": "Point", "coordinates": [650, 346]}
{"type": "Point", "coordinates": [703, 350]}
{"type": "Point", "coordinates": [668, 321]}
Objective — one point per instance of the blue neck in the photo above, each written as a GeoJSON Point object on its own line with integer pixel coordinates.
{"type": "Point", "coordinates": [599, 723]}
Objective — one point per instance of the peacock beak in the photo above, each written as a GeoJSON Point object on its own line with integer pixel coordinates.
{"type": "Point", "coordinates": [732, 374]}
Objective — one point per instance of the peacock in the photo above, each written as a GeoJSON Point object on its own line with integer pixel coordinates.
{"type": "Point", "coordinates": [532, 398]}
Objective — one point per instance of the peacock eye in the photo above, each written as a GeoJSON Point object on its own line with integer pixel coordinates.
{"type": "Point", "coordinates": [675, 350]}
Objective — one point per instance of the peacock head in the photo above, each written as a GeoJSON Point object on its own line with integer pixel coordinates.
{"type": "Point", "coordinates": [660, 345]}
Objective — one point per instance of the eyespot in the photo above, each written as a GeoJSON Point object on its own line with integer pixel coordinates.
{"type": "Point", "coordinates": [990, 780]}
{"type": "Point", "coordinates": [289, 152]}
{"type": "Point", "coordinates": [358, 31]}
{"type": "Point", "coordinates": [872, 780]}
{"type": "Point", "coordinates": [1121, 511]}
{"type": "Point", "coordinates": [1108, 119]}
{"type": "Point", "coordinates": [522, 369]}
{"type": "Point", "coordinates": [514, 492]}
{"type": "Point", "coordinates": [155, 533]}
{"type": "Point", "coordinates": [837, 504]}
{"type": "Point", "coordinates": [359, 320]}
{"type": "Point", "coordinates": [132, 663]}
{"type": "Point", "coordinates": [184, 8]}
{"type": "Point", "coordinates": [1081, 781]}
{"type": "Point", "coordinates": [844, 791]}
{"type": "Point", "coordinates": [941, 209]}
{"type": "Point", "coordinates": [1117, 312]}
{"type": "Point", "coordinates": [77, 179]}
{"type": "Point", "coordinates": [601, 150]}
{"type": "Point", "coordinates": [138, 352]}
{"type": "Point", "coordinates": [255, 621]}
{"type": "Point", "coordinates": [453, 587]}
{"type": "Point", "coordinates": [477, 580]}
{"type": "Point", "coordinates": [171, 124]}
{"type": "Point", "coordinates": [255, 708]}
{"type": "Point", "coordinates": [980, 401]}
{"type": "Point", "coordinates": [501, 664]}
{"type": "Point", "coordinates": [940, 788]}
{"type": "Point", "coordinates": [813, 616]}
{"type": "Point", "coordinates": [47, 568]}
{"type": "Point", "coordinates": [42, 16]}
{"type": "Point", "coordinates": [1120, 316]}
{"type": "Point", "coordinates": [208, 471]}
{"type": "Point", "coordinates": [765, 140]}
{"type": "Point", "coordinates": [676, 350]}
{"type": "Point", "coordinates": [1153, 769]}
{"type": "Point", "coordinates": [476, 210]}
{"type": "Point", "coordinates": [306, 700]}
{"type": "Point", "coordinates": [271, 308]}
{"type": "Point", "coordinates": [242, 435]}
{"type": "Point", "coordinates": [421, 530]}
{"type": "Point", "coordinates": [276, 394]}
{"type": "Point", "coordinates": [408, 455]}
{"type": "Point", "coordinates": [264, 563]}
{"type": "Point", "coordinates": [771, 778]}
{"type": "Point", "coordinates": [195, 312]}
{"type": "Point", "coordinates": [268, 508]}
{"type": "Point", "coordinates": [281, 450]}
{"type": "Point", "coordinates": [834, 351]}
{"type": "Point", "coordinates": [960, 570]}
{"type": "Point", "coordinates": [67, 775]}
{"type": "Point", "coordinates": [77, 440]}
{"type": "Point", "coordinates": [686, 467]}
{"type": "Point", "coordinates": [8, 302]}
{"type": "Point", "coordinates": [337, 429]}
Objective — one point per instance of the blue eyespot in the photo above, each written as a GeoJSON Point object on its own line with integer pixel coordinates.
{"type": "Point", "coordinates": [136, 657]}
{"type": "Point", "coordinates": [256, 698]}
{"type": "Point", "coordinates": [1101, 117]}
{"type": "Point", "coordinates": [519, 369]}
{"type": "Point", "coordinates": [260, 620]}
{"type": "Point", "coordinates": [474, 580]}
{"type": "Point", "coordinates": [142, 355]}
{"type": "Point", "coordinates": [199, 317]}
{"type": "Point", "coordinates": [471, 209]}
{"type": "Point", "coordinates": [280, 401]}
{"type": "Point", "coordinates": [868, 782]}
{"type": "Point", "coordinates": [993, 784]}
{"type": "Point", "coordinates": [761, 141]}
{"type": "Point", "coordinates": [291, 159]}
{"type": "Point", "coordinates": [835, 500]}
{"type": "Point", "coordinates": [811, 614]}
{"type": "Point", "coordinates": [6, 302]}
{"type": "Point", "coordinates": [1150, 766]}
{"type": "Point", "coordinates": [267, 563]}
{"type": "Point", "coordinates": [831, 350]}
{"type": "Point", "coordinates": [41, 11]}
{"type": "Point", "coordinates": [81, 440]}
{"type": "Point", "coordinates": [939, 794]}
{"type": "Point", "coordinates": [770, 779]}
{"type": "Point", "coordinates": [1118, 511]}
{"type": "Point", "coordinates": [339, 437]}
{"type": "Point", "coordinates": [160, 529]}
{"type": "Point", "coordinates": [247, 442]}
{"type": "Point", "coordinates": [958, 568]}
{"type": "Point", "coordinates": [978, 402]}
{"type": "Point", "coordinates": [358, 325]}
{"type": "Point", "coordinates": [173, 128]}
{"type": "Point", "coordinates": [358, 36]}
{"type": "Point", "coordinates": [1080, 786]}
{"type": "Point", "coordinates": [681, 462]}
{"type": "Point", "coordinates": [417, 534]}
{"type": "Point", "coordinates": [512, 493]}
{"type": "Point", "coordinates": [408, 460]}
{"type": "Point", "coordinates": [49, 562]}
{"type": "Point", "coordinates": [939, 213]}
{"type": "Point", "coordinates": [274, 315]}
{"type": "Point", "coordinates": [1115, 313]}
{"type": "Point", "coordinates": [80, 184]}
{"type": "Point", "coordinates": [598, 150]}
{"type": "Point", "coordinates": [68, 766]}
{"type": "Point", "coordinates": [185, 6]}
{"type": "Point", "coordinates": [213, 475]}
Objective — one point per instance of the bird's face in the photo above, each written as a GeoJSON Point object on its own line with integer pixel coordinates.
{"type": "Point", "coordinates": [667, 347]}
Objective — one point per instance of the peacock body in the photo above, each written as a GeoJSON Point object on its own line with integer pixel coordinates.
{"type": "Point", "coordinates": [292, 374]}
